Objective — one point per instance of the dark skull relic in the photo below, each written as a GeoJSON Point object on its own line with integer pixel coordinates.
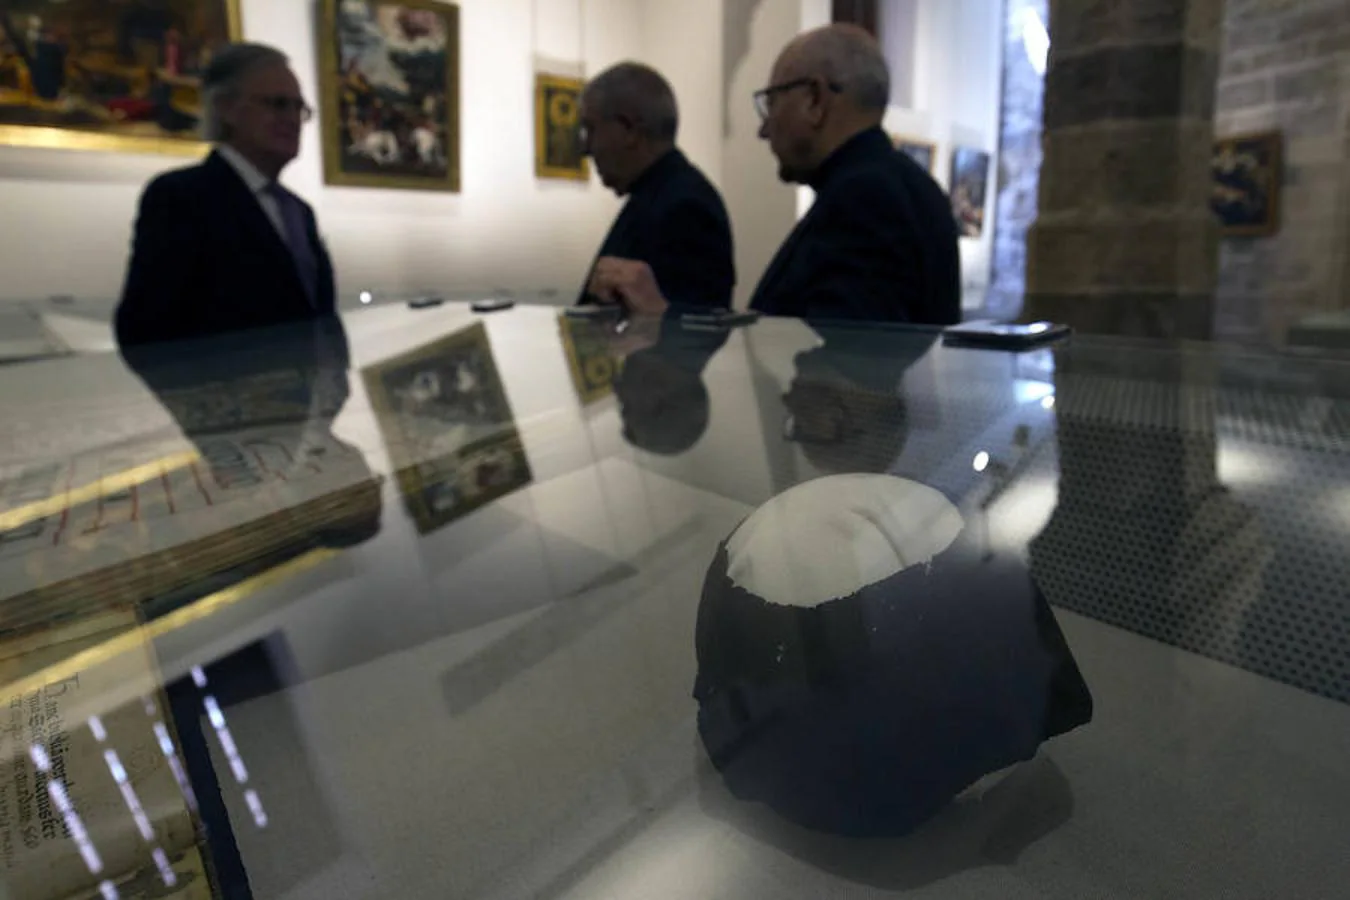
{"type": "Point", "coordinates": [861, 661]}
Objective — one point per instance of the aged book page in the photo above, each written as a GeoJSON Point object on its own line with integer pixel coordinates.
{"type": "Point", "coordinates": [89, 800]}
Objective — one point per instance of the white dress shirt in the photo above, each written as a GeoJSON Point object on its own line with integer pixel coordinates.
{"type": "Point", "coordinates": [257, 184]}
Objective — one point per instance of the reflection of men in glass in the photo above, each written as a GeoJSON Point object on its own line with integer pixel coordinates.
{"type": "Point", "coordinates": [845, 407]}
{"type": "Point", "coordinates": [662, 399]}
{"type": "Point", "coordinates": [674, 222]}
{"type": "Point", "coordinates": [260, 409]}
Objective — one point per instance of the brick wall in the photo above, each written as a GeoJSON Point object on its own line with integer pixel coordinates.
{"type": "Point", "coordinates": [1285, 64]}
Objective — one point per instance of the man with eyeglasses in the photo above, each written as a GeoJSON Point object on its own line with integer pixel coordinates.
{"type": "Point", "coordinates": [880, 242]}
{"type": "Point", "coordinates": [674, 221]}
{"type": "Point", "coordinates": [222, 246]}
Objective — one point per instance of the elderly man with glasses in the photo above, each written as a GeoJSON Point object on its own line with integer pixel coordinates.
{"type": "Point", "coordinates": [880, 241]}
{"type": "Point", "coordinates": [223, 246]}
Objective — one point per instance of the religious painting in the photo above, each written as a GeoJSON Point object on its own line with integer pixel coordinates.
{"type": "Point", "coordinates": [449, 428]}
{"type": "Point", "coordinates": [1246, 191]}
{"type": "Point", "coordinates": [922, 152]}
{"type": "Point", "coordinates": [590, 357]}
{"type": "Point", "coordinates": [109, 74]}
{"type": "Point", "coordinates": [389, 79]}
{"type": "Point", "coordinates": [559, 149]}
{"type": "Point", "coordinates": [969, 187]}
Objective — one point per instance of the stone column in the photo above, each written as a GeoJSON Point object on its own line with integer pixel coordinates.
{"type": "Point", "coordinates": [1125, 242]}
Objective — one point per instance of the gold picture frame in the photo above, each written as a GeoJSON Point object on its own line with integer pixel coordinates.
{"type": "Point", "coordinates": [404, 136]}
{"type": "Point", "coordinates": [80, 74]}
{"type": "Point", "coordinates": [448, 427]}
{"type": "Point", "coordinates": [1248, 172]}
{"type": "Point", "coordinates": [922, 152]}
{"type": "Point", "coordinates": [558, 151]}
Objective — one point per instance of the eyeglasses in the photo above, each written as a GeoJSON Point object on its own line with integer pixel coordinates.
{"type": "Point", "coordinates": [764, 95]}
{"type": "Point", "coordinates": [283, 105]}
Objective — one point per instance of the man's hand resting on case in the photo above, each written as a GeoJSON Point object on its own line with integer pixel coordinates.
{"type": "Point", "coordinates": [629, 283]}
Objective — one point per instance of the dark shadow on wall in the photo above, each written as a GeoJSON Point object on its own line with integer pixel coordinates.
{"type": "Point", "coordinates": [737, 17]}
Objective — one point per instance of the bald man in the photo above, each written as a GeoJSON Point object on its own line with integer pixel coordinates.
{"type": "Point", "coordinates": [674, 221]}
{"type": "Point", "coordinates": [880, 242]}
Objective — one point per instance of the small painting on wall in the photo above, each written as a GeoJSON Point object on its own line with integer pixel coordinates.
{"type": "Point", "coordinates": [95, 75]}
{"type": "Point", "coordinates": [389, 79]}
{"type": "Point", "coordinates": [559, 150]}
{"type": "Point", "coordinates": [922, 152]}
{"type": "Point", "coordinates": [969, 187]}
{"type": "Point", "coordinates": [1246, 192]}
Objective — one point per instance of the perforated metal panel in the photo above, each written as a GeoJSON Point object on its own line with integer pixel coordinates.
{"type": "Point", "coordinates": [1203, 500]}
{"type": "Point", "coordinates": [1212, 519]}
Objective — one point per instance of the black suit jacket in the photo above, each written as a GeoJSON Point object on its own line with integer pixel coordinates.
{"type": "Point", "coordinates": [206, 260]}
{"type": "Point", "coordinates": [675, 222]}
{"type": "Point", "coordinates": [879, 244]}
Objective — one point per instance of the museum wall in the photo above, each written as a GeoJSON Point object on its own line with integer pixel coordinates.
{"type": "Point", "coordinates": [763, 210]}
{"type": "Point", "coordinates": [1284, 67]}
{"type": "Point", "coordinates": [68, 215]}
{"type": "Point", "coordinates": [944, 57]}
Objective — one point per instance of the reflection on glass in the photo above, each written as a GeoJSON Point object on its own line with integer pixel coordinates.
{"type": "Point", "coordinates": [449, 428]}
{"type": "Point", "coordinates": [845, 407]}
{"type": "Point", "coordinates": [269, 479]}
{"type": "Point", "coordinates": [663, 402]}
{"type": "Point", "coordinates": [592, 360]}
{"type": "Point", "coordinates": [95, 810]}
{"type": "Point", "coordinates": [1144, 535]}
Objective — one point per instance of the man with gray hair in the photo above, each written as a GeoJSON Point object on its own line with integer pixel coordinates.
{"type": "Point", "coordinates": [880, 241]}
{"type": "Point", "coordinates": [222, 246]}
{"type": "Point", "coordinates": [674, 221]}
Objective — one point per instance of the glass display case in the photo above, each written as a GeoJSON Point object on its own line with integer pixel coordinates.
{"type": "Point", "coordinates": [429, 603]}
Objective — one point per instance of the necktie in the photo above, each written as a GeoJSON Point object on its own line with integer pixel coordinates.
{"type": "Point", "coordinates": [297, 238]}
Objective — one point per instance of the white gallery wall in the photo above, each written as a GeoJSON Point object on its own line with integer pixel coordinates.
{"type": "Point", "coordinates": [67, 216]}
{"type": "Point", "coordinates": [946, 63]}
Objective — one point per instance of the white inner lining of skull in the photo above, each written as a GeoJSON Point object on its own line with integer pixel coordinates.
{"type": "Point", "coordinates": [831, 537]}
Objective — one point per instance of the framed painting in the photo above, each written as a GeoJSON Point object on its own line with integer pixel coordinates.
{"type": "Point", "coordinates": [969, 187]}
{"type": "Point", "coordinates": [99, 75]}
{"type": "Point", "coordinates": [922, 152]}
{"type": "Point", "coordinates": [1248, 170]}
{"type": "Point", "coordinates": [389, 85]}
{"type": "Point", "coordinates": [448, 427]}
{"type": "Point", "coordinates": [558, 148]}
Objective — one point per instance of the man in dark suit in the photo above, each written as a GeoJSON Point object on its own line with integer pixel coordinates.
{"type": "Point", "coordinates": [880, 241]}
{"type": "Point", "coordinates": [222, 246]}
{"type": "Point", "coordinates": [674, 220]}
